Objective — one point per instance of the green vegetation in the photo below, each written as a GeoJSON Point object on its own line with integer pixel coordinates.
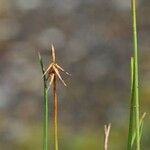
{"type": "Point", "coordinates": [135, 86]}
{"type": "Point", "coordinates": [45, 108]}
{"type": "Point", "coordinates": [135, 123]}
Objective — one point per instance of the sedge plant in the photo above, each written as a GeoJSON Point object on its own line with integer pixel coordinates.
{"type": "Point", "coordinates": [135, 123]}
{"type": "Point", "coordinates": [134, 108]}
{"type": "Point", "coordinates": [136, 75]}
{"type": "Point", "coordinates": [51, 74]}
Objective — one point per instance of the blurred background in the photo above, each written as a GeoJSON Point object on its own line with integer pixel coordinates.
{"type": "Point", "coordinates": [93, 41]}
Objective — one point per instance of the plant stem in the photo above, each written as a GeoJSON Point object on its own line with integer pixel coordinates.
{"type": "Point", "coordinates": [136, 84]}
{"type": "Point", "coordinates": [45, 121]}
{"type": "Point", "coordinates": [132, 110]}
{"type": "Point", "coordinates": [106, 135]}
{"type": "Point", "coordinates": [45, 109]}
{"type": "Point", "coordinates": [55, 113]}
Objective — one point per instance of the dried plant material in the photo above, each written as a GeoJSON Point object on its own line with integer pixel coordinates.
{"type": "Point", "coordinates": [106, 135]}
{"type": "Point", "coordinates": [53, 69]}
{"type": "Point", "coordinates": [143, 117]}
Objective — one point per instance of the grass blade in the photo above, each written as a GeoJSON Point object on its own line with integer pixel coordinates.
{"type": "Point", "coordinates": [132, 111]}
{"type": "Point", "coordinates": [45, 111]}
{"type": "Point", "coordinates": [136, 76]}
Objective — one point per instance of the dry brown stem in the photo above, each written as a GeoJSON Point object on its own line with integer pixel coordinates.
{"type": "Point", "coordinates": [106, 135]}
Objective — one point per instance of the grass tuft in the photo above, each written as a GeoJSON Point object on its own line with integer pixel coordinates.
{"type": "Point", "coordinates": [135, 123]}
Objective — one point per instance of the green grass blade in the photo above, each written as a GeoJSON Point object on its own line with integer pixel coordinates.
{"type": "Point", "coordinates": [132, 112]}
{"type": "Point", "coordinates": [136, 84]}
{"type": "Point", "coordinates": [45, 111]}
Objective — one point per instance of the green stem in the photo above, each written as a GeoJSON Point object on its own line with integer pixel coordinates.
{"type": "Point", "coordinates": [45, 110]}
{"type": "Point", "coordinates": [132, 111]}
{"type": "Point", "coordinates": [45, 120]}
{"type": "Point", "coordinates": [136, 84]}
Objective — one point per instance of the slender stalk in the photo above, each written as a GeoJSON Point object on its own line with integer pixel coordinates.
{"type": "Point", "coordinates": [106, 135]}
{"type": "Point", "coordinates": [45, 121]}
{"type": "Point", "coordinates": [132, 111]}
{"type": "Point", "coordinates": [45, 110]}
{"type": "Point", "coordinates": [55, 112]}
{"type": "Point", "coordinates": [136, 84]}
